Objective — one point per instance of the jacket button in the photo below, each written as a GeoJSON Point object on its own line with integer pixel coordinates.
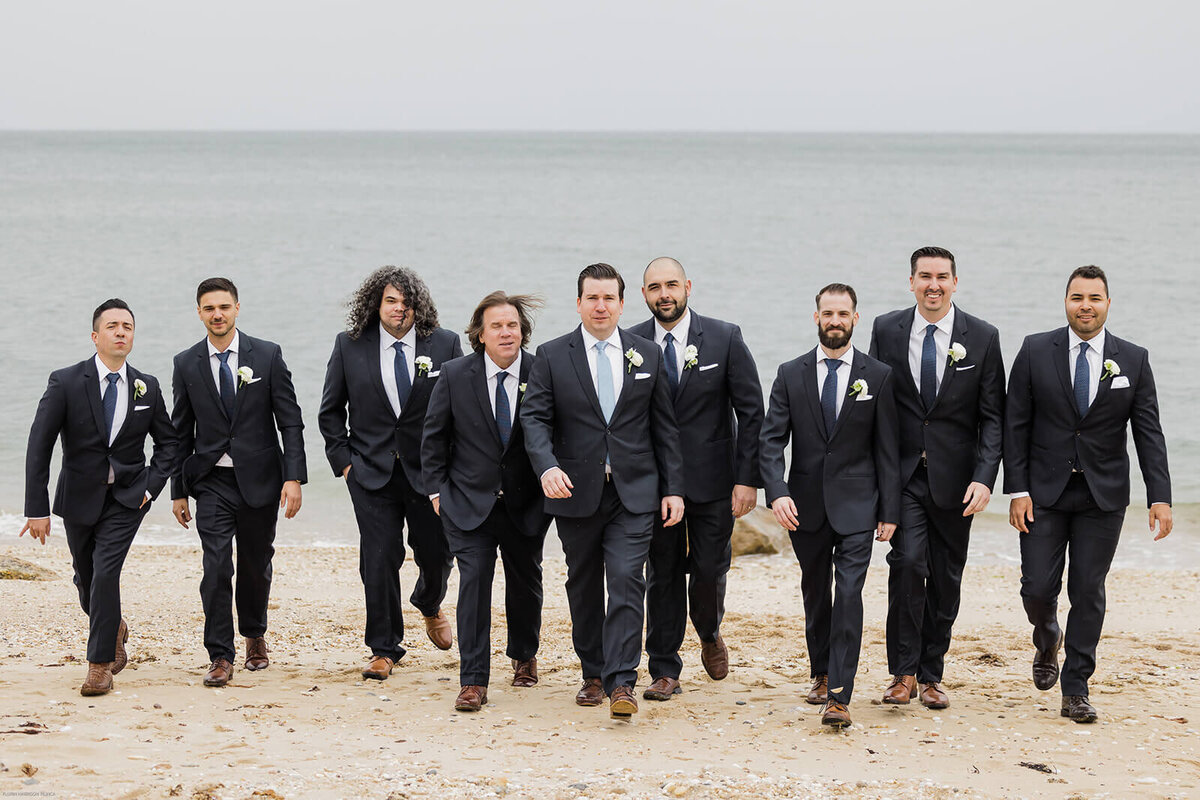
{"type": "Point", "coordinates": [926, 422]}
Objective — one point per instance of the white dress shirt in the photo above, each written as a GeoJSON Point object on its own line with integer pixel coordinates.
{"type": "Point", "coordinates": [491, 370]}
{"type": "Point", "coordinates": [387, 362]}
{"type": "Point", "coordinates": [616, 360]}
{"type": "Point", "coordinates": [843, 374]}
{"type": "Point", "coordinates": [680, 334]}
{"type": "Point", "coordinates": [214, 361]}
{"type": "Point", "coordinates": [941, 343]}
{"type": "Point", "coordinates": [1095, 360]}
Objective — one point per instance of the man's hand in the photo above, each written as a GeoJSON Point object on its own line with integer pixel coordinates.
{"type": "Point", "coordinates": [785, 513]}
{"type": "Point", "coordinates": [976, 499]}
{"type": "Point", "coordinates": [346, 471]}
{"type": "Point", "coordinates": [180, 509]}
{"type": "Point", "coordinates": [1020, 513]}
{"type": "Point", "coordinates": [289, 498]}
{"type": "Point", "coordinates": [1160, 513]}
{"type": "Point", "coordinates": [884, 531]}
{"type": "Point", "coordinates": [556, 485]}
{"type": "Point", "coordinates": [437, 505]}
{"type": "Point", "coordinates": [745, 498]}
{"type": "Point", "coordinates": [40, 528]}
{"type": "Point", "coordinates": [672, 510]}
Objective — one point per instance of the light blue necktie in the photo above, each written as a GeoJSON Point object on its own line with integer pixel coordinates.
{"type": "Point", "coordinates": [604, 382]}
{"type": "Point", "coordinates": [671, 364]}
{"type": "Point", "coordinates": [829, 394]}
{"type": "Point", "coordinates": [110, 402]}
{"type": "Point", "coordinates": [1082, 379]}
{"type": "Point", "coordinates": [929, 368]}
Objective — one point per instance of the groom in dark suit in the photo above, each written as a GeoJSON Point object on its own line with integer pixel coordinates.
{"type": "Point", "coordinates": [835, 405]}
{"type": "Point", "coordinates": [719, 407]}
{"type": "Point", "coordinates": [474, 462]}
{"type": "Point", "coordinates": [1072, 395]}
{"type": "Point", "coordinates": [378, 380]}
{"type": "Point", "coordinates": [950, 402]}
{"type": "Point", "coordinates": [601, 434]}
{"type": "Point", "coordinates": [232, 391]}
{"type": "Point", "coordinates": [103, 409]}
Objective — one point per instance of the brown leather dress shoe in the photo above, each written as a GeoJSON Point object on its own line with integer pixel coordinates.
{"type": "Point", "coordinates": [1073, 706]}
{"type": "Point", "coordinates": [525, 673]}
{"type": "Point", "coordinates": [835, 715]}
{"type": "Point", "coordinates": [219, 673]}
{"type": "Point", "coordinates": [438, 629]}
{"type": "Point", "coordinates": [662, 689]}
{"type": "Point", "coordinates": [933, 696]}
{"type": "Point", "coordinates": [98, 680]}
{"type": "Point", "coordinates": [715, 658]}
{"type": "Point", "coordinates": [818, 695]}
{"type": "Point", "coordinates": [471, 698]}
{"type": "Point", "coordinates": [1045, 667]}
{"type": "Point", "coordinates": [256, 653]}
{"type": "Point", "coordinates": [903, 688]}
{"type": "Point", "coordinates": [379, 668]}
{"type": "Point", "coordinates": [591, 693]}
{"type": "Point", "coordinates": [121, 658]}
{"type": "Point", "coordinates": [621, 703]}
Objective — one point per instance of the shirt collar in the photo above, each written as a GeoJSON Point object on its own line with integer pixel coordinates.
{"type": "Point", "coordinates": [386, 340]}
{"type": "Point", "coordinates": [847, 357]}
{"type": "Point", "coordinates": [1095, 343]}
{"type": "Point", "coordinates": [491, 369]}
{"type": "Point", "coordinates": [945, 324]}
{"type": "Point", "coordinates": [103, 371]}
{"type": "Point", "coordinates": [589, 341]}
{"type": "Point", "coordinates": [233, 345]}
{"type": "Point", "coordinates": [679, 333]}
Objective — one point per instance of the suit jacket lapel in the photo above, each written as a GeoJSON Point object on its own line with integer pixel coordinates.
{"type": "Point", "coordinates": [857, 370]}
{"type": "Point", "coordinates": [370, 344]}
{"type": "Point", "coordinates": [133, 376]}
{"type": "Point", "coordinates": [625, 375]}
{"type": "Point", "coordinates": [245, 359]}
{"type": "Point", "coordinates": [579, 359]}
{"type": "Point", "coordinates": [948, 370]}
{"type": "Point", "coordinates": [808, 381]}
{"type": "Point", "coordinates": [903, 337]}
{"type": "Point", "coordinates": [477, 377]}
{"type": "Point", "coordinates": [206, 376]}
{"type": "Point", "coordinates": [1062, 357]}
{"type": "Point", "coordinates": [695, 338]}
{"type": "Point", "coordinates": [421, 381]}
{"type": "Point", "coordinates": [91, 388]}
{"type": "Point", "coordinates": [1103, 387]}
{"type": "Point", "coordinates": [521, 381]}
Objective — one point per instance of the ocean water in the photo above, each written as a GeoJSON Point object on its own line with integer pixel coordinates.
{"type": "Point", "coordinates": [761, 221]}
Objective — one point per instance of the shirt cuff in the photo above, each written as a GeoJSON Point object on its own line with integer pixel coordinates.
{"type": "Point", "coordinates": [543, 475]}
{"type": "Point", "coordinates": [1015, 495]}
{"type": "Point", "coordinates": [1159, 503]}
{"type": "Point", "coordinates": [435, 496]}
{"type": "Point", "coordinates": [37, 519]}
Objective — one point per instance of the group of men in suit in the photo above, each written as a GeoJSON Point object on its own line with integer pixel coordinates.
{"type": "Point", "coordinates": [643, 445]}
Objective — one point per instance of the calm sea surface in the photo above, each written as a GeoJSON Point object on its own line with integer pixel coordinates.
{"type": "Point", "coordinates": [760, 221]}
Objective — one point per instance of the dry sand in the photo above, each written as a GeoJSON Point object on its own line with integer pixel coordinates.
{"type": "Point", "coordinates": [311, 727]}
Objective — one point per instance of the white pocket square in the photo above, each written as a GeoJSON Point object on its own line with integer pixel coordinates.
{"type": "Point", "coordinates": [1120, 382]}
{"type": "Point", "coordinates": [140, 408]}
{"type": "Point", "coordinates": [858, 398]}
{"type": "Point", "coordinates": [963, 369]}
{"type": "Point", "coordinates": [637, 376]}
{"type": "Point", "coordinates": [709, 366]}
{"type": "Point", "coordinates": [433, 374]}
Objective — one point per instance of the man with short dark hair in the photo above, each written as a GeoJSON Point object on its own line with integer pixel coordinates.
{"type": "Point", "coordinates": [601, 433]}
{"type": "Point", "coordinates": [1072, 394]}
{"type": "Point", "coordinates": [232, 391]}
{"type": "Point", "coordinates": [719, 407]}
{"type": "Point", "coordinates": [103, 409]}
{"type": "Point", "coordinates": [835, 406]}
{"type": "Point", "coordinates": [950, 403]}
{"type": "Point", "coordinates": [474, 462]}
{"type": "Point", "coordinates": [378, 381]}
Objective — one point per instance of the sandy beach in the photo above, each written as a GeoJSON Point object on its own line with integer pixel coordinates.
{"type": "Point", "coordinates": [309, 726]}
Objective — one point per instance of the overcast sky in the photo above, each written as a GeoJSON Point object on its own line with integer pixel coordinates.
{"type": "Point", "coordinates": [560, 65]}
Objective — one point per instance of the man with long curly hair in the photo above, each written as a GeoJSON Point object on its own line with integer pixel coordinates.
{"type": "Point", "coordinates": [382, 370]}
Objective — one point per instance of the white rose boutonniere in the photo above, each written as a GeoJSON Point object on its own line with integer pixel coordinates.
{"type": "Point", "coordinates": [859, 387]}
{"type": "Point", "coordinates": [957, 353]}
{"type": "Point", "coordinates": [634, 358]}
{"type": "Point", "coordinates": [1111, 368]}
{"type": "Point", "coordinates": [423, 364]}
{"type": "Point", "coordinates": [246, 377]}
{"type": "Point", "coordinates": [690, 356]}
{"type": "Point", "coordinates": [139, 388]}
{"type": "Point", "coordinates": [521, 387]}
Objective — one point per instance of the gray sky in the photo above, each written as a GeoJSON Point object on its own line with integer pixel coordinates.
{"type": "Point", "coordinates": [559, 65]}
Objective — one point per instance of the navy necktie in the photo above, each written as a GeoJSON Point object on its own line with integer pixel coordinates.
{"type": "Point", "coordinates": [829, 394]}
{"type": "Point", "coordinates": [1082, 379]}
{"type": "Point", "coordinates": [403, 382]}
{"type": "Point", "coordinates": [671, 364]}
{"type": "Point", "coordinates": [929, 368]}
{"type": "Point", "coordinates": [226, 383]}
{"type": "Point", "coordinates": [110, 402]}
{"type": "Point", "coordinates": [503, 413]}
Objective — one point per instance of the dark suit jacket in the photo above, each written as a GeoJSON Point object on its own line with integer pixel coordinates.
{"type": "Point", "coordinates": [565, 428]}
{"type": "Point", "coordinates": [267, 403]}
{"type": "Point", "coordinates": [851, 478]}
{"type": "Point", "coordinates": [1044, 434]}
{"type": "Point", "coordinates": [377, 438]}
{"type": "Point", "coordinates": [962, 433]}
{"type": "Point", "coordinates": [462, 458]}
{"type": "Point", "coordinates": [719, 408]}
{"type": "Point", "coordinates": [72, 407]}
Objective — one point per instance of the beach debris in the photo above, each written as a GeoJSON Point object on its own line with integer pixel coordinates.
{"type": "Point", "coordinates": [28, 727]}
{"type": "Point", "coordinates": [18, 569]}
{"type": "Point", "coordinates": [1037, 766]}
{"type": "Point", "coordinates": [28, 770]}
{"type": "Point", "coordinates": [207, 791]}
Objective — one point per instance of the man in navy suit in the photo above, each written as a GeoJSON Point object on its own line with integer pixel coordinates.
{"type": "Point", "coordinates": [601, 434]}
{"type": "Point", "coordinates": [232, 391]}
{"type": "Point", "coordinates": [103, 409]}
{"type": "Point", "coordinates": [719, 407]}
{"type": "Point", "coordinates": [836, 407]}
{"type": "Point", "coordinates": [1072, 394]}
{"type": "Point", "coordinates": [378, 380]}
{"type": "Point", "coordinates": [474, 462]}
{"type": "Point", "coordinates": [950, 402]}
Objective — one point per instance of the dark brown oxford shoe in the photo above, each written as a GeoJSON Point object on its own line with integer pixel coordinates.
{"type": "Point", "coordinates": [591, 693]}
{"type": "Point", "coordinates": [934, 697]}
{"type": "Point", "coordinates": [835, 715]}
{"type": "Point", "coordinates": [1078, 709]}
{"type": "Point", "coordinates": [818, 695]}
{"type": "Point", "coordinates": [715, 658]}
{"type": "Point", "coordinates": [901, 691]}
{"type": "Point", "coordinates": [122, 658]}
{"type": "Point", "coordinates": [662, 689]}
{"type": "Point", "coordinates": [256, 653]}
{"type": "Point", "coordinates": [525, 673]}
{"type": "Point", "coordinates": [621, 703]}
{"type": "Point", "coordinates": [1045, 666]}
{"type": "Point", "coordinates": [219, 673]}
{"type": "Point", "coordinates": [471, 698]}
{"type": "Point", "coordinates": [98, 680]}
{"type": "Point", "coordinates": [379, 668]}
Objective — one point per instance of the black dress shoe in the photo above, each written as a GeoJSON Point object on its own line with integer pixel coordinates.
{"type": "Point", "coordinates": [1078, 709]}
{"type": "Point", "coordinates": [1045, 666]}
